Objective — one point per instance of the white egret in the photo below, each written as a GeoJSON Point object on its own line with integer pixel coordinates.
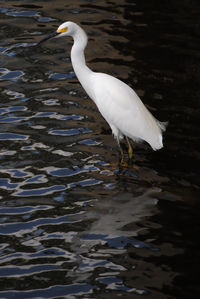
{"type": "Point", "coordinates": [117, 102]}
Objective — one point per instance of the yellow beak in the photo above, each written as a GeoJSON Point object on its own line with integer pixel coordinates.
{"type": "Point", "coordinates": [62, 30]}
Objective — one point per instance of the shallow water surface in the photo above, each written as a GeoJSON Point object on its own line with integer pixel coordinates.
{"type": "Point", "coordinates": [72, 224]}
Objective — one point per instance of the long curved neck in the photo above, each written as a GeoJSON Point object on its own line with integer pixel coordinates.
{"type": "Point", "coordinates": [81, 70]}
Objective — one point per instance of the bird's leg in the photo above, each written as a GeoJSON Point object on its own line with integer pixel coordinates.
{"type": "Point", "coordinates": [130, 149]}
{"type": "Point", "coordinates": [130, 154]}
{"type": "Point", "coordinates": [122, 157]}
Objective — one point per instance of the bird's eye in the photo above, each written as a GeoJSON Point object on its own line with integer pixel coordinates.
{"type": "Point", "coordinates": [62, 30]}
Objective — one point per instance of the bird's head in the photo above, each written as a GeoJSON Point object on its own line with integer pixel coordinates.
{"type": "Point", "coordinates": [65, 29]}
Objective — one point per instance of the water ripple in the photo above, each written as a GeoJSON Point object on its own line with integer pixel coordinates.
{"type": "Point", "coordinates": [22, 13]}
{"type": "Point", "coordinates": [7, 185]}
{"type": "Point", "coordinates": [47, 255]}
{"type": "Point", "coordinates": [21, 228]}
{"type": "Point", "coordinates": [13, 136]}
{"type": "Point", "coordinates": [67, 237]}
{"type": "Point", "coordinates": [59, 76]}
{"type": "Point", "coordinates": [17, 173]}
{"type": "Point", "coordinates": [51, 102]}
{"type": "Point", "coordinates": [10, 75]}
{"type": "Point", "coordinates": [114, 283]}
{"type": "Point", "coordinates": [115, 241]}
{"type": "Point", "coordinates": [15, 95]}
{"type": "Point", "coordinates": [13, 12]}
{"type": "Point", "coordinates": [88, 265]}
{"type": "Point", "coordinates": [62, 153]}
{"type": "Point", "coordinates": [37, 179]}
{"type": "Point", "coordinates": [89, 142]}
{"type": "Point", "coordinates": [9, 50]}
{"type": "Point", "coordinates": [35, 146]}
{"type": "Point", "coordinates": [7, 153]}
{"type": "Point", "coordinates": [12, 119]}
{"type": "Point", "coordinates": [76, 289]}
{"type": "Point", "coordinates": [55, 115]}
{"type": "Point", "coordinates": [39, 191]}
{"type": "Point", "coordinates": [13, 108]}
{"type": "Point", "coordinates": [70, 132]}
{"type": "Point", "coordinates": [22, 210]}
{"type": "Point", "coordinates": [63, 172]}
{"type": "Point", "coordinates": [88, 182]}
{"type": "Point", "coordinates": [7, 271]}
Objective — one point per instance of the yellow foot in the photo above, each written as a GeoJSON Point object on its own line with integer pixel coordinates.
{"type": "Point", "coordinates": [123, 163]}
{"type": "Point", "coordinates": [136, 167]}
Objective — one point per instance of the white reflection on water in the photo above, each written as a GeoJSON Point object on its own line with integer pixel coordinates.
{"type": "Point", "coordinates": [114, 214]}
{"type": "Point", "coordinates": [115, 222]}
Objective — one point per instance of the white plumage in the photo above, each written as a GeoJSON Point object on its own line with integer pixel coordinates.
{"type": "Point", "coordinates": [116, 101]}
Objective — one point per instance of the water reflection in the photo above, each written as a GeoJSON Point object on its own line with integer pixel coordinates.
{"type": "Point", "coordinates": [71, 223]}
{"type": "Point", "coordinates": [69, 290]}
{"type": "Point", "coordinates": [12, 136]}
{"type": "Point", "coordinates": [10, 75]}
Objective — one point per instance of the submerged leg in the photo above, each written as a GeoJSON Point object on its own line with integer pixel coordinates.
{"type": "Point", "coordinates": [130, 149]}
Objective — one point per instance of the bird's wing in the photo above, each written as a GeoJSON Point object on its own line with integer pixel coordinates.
{"type": "Point", "coordinates": [114, 90]}
{"type": "Point", "coordinates": [121, 107]}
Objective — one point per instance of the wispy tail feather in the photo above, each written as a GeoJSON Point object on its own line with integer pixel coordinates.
{"type": "Point", "coordinates": [159, 142]}
{"type": "Point", "coordinates": [163, 125]}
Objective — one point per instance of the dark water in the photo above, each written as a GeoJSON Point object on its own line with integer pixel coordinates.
{"type": "Point", "coordinates": [73, 225]}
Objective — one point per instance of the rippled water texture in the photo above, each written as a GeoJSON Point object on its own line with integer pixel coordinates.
{"type": "Point", "coordinates": [72, 224]}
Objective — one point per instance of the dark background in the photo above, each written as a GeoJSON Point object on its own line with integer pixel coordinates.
{"type": "Point", "coordinates": [72, 224]}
